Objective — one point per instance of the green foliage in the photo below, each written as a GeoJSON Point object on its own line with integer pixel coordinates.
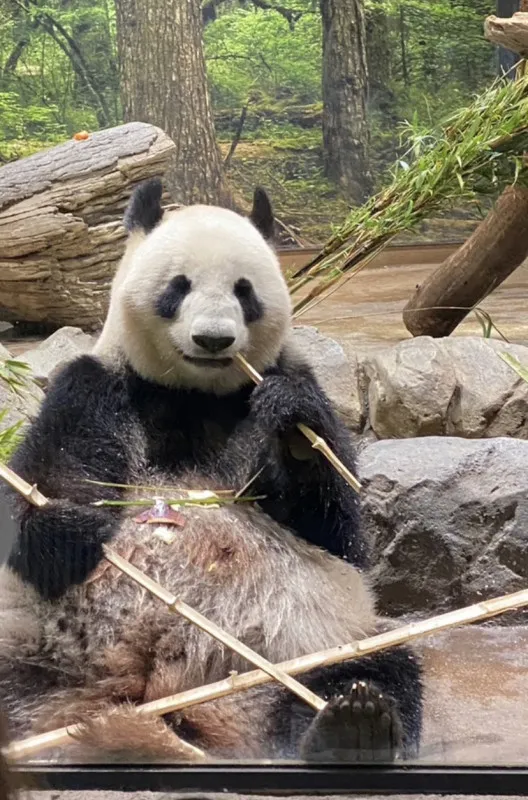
{"type": "Point", "coordinates": [10, 437]}
{"type": "Point", "coordinates": [17, 376]}
{"type": "Point", "coordinates": [478, 149]}
{"type": "Point", "coordinates": [251, 52]}
{"type": "Point", "coordinates": [426, 58]}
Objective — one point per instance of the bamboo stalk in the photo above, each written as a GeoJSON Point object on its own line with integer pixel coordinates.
{"type": "Point", "coordinates": [248, 680]}
{"type": "Point", "coordinates": [317, 442]}
{"type": "Point", "coordinates": [31, 493]}
{"type": "Point", "coordinates": [180, 607]}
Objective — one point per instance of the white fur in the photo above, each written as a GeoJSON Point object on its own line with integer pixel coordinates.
{"type": "Point", "coordinates": [213, 248]}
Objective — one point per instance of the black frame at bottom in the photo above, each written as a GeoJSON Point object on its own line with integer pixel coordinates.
{"type": "Point", "coordinates": [281, 779]}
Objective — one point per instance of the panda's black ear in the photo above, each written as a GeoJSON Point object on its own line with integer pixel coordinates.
{"type": "Point", "coordinates": [262, 213]}
{"type": "Point", "coordinates": [144, 209]}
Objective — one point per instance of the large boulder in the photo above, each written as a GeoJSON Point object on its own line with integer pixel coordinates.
{"type": "Point", "coordinates": [338, 374]}
{"type": "Point", "coordinates": [454, 386]}
{"type": "Point", "coordinates": [447, 518]}
{"type": "Point", "coordinates": [56, 351]}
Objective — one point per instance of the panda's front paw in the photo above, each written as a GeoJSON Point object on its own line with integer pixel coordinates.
{"type": "Point", "coordinates": [281, 402]}
{"type": "Point", "coordinates": [60, 545]}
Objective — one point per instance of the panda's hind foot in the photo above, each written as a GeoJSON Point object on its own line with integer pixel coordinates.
{"type": "Point", "coordinates": [360, 726]}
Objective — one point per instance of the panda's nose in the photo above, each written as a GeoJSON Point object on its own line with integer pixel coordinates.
{"type": "Point", "coordinates": [213, 344]}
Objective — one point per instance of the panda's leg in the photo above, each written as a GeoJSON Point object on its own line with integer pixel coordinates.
{"type": "Point", "coordinates": [122, 735]}
{"type": "Point", "coordinates": [374, 711]}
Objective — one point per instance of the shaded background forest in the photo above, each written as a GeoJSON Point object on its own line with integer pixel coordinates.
{"type": "Point", "coordinates": [307, 98]}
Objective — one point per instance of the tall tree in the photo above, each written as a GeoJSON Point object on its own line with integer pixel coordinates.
{"type": "Point", "coordinates": [164, 82]}
{"type": "Point", "coordinates": [345, 86]}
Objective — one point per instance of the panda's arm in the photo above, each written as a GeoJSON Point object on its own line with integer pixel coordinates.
{"type": "Point", "coordinates": [303, 490]}
{"type": "Point", "coordinates": [78, 436]}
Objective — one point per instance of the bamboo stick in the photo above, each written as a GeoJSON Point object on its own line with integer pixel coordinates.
{"type": "Point", "coordinates": [31, 493]}
{"type": "Point", "coordinates": [317, 442]}
{"type": "Point", "coordinates": [179, 607]}
{"type": "Point", "coordinates": [248, 680]}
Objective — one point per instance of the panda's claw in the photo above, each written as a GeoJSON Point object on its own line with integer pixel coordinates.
{"type": "Point", "coordinates": [363, 726]}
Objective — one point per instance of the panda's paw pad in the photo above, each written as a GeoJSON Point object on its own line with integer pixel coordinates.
{"type": "Point", "coordinates": [361, 726]}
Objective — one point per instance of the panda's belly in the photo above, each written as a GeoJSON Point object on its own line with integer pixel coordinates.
{"type": "Point", "coordinates": [235, 565]}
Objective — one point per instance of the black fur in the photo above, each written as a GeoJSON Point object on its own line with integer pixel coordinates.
{"type": "Point", "coordinates": [262, 213]}
{"type": "Point", "coordinates": [172, 297]}
{"type": "Point", "coordinates": [83, 432]}
{"type": "Point", "coordinates": [395, 673]}
{"type": "Point", "coordinates": [251, 306]}
{"type": "Point", "coordinates": [144, 209]}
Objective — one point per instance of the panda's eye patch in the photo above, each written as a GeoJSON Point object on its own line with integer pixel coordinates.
{"type": "Point", "coordinates": [170, 300]}
{"type": "Point", "coordinates": [252, 308]}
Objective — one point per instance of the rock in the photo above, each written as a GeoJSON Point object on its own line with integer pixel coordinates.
{"type": "Point", "coordinates": [337, 373]}
{"type": "Point", "coordinates": [21, 400]}
{"type": "Point", "coordinates": [454, 386]}
{"type": "Point", "coordinates": [491, 399]}
{"type": "Point", "coordinates": [447, 518]}
{"type": "Point", "coordinates": [55, 351]}
{"type": "Point", "coordinates": [409, 389]}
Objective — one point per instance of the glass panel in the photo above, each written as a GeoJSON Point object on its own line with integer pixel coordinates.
{"type": "Point", "coordinates": [230, 467]}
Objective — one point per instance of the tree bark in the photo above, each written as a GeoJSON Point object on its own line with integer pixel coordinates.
{"type": "Point", "coordinates": [164, 82]}
{"type": "Point", "coordinates": [61, 232]}
{"type": "Point", "coordinates": [345, 82]}
{"type": "Point", "coordinates": [485, 260]}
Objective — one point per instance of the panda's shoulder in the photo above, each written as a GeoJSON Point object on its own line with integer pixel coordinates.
{"type": "Point", "coordinates": [81, 378]}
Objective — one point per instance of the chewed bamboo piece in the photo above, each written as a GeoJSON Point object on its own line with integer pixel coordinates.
{"type": "Point", "coordinates": [248, 680]}
{"type": "Point", "coordinates": [31, 493]}
{"type": "Point", "coordinates": [179, 607]}
{"type": "Point", "coordinates": [316, 441]}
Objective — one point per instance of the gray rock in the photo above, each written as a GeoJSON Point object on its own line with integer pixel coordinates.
{"type": "Point", "coordinates": [56, 351]}
{"type": "Point", "coordinates": [456, 386]}
{"type": "Point", "coordinates": [337, 373]}
{"type": "Point", "coordinates": [447, 518]}
{"type": "Point", "coordinates": [410, 387]}
{"type": "Point", "coordinates": [20, 401]}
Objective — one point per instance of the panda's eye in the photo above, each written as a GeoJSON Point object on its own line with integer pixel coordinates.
{"type": "Point", "coordinates": [252, 308]}
{"type": "Point", "coordinates": [171, 298]}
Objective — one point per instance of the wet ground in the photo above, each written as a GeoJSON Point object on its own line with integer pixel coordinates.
{"type": "Point", "coordinates": [476, 705]}
{"type": "Point", "coordinates": [367, 311]}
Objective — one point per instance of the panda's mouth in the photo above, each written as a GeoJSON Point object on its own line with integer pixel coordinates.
{"type": "Point", "coordinates": [215, 363]}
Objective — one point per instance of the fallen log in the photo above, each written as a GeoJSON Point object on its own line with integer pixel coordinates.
{"type": "Point", "coordinates": [510, 32]}
{"type": "Point", "coordinates": [497, 247]}
{"type": "Point", "coordinates": [61, 235]}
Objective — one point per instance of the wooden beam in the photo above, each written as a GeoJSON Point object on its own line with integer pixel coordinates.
{"type": "Point", "coordinates": [488, 257]}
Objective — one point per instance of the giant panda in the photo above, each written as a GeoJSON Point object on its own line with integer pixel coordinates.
{"type": "Point", "coordinates": [161, 402]}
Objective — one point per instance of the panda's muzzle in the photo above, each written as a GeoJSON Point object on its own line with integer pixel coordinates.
{"type": "Point", "coordinates": [212, 345]}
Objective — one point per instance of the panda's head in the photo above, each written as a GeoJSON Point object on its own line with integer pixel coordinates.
{"type": "Point", "coordinates": [196, 287]}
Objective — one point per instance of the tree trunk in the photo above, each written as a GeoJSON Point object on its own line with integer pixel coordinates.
{"type": "Point", "coordinates": [61, 231]}
{"type": "Point", "coordinates": [164, 82]}
{"type": "Point", "coordinates": [492, 252]}
{"type": "Point", "coordinates": [345, 81]}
